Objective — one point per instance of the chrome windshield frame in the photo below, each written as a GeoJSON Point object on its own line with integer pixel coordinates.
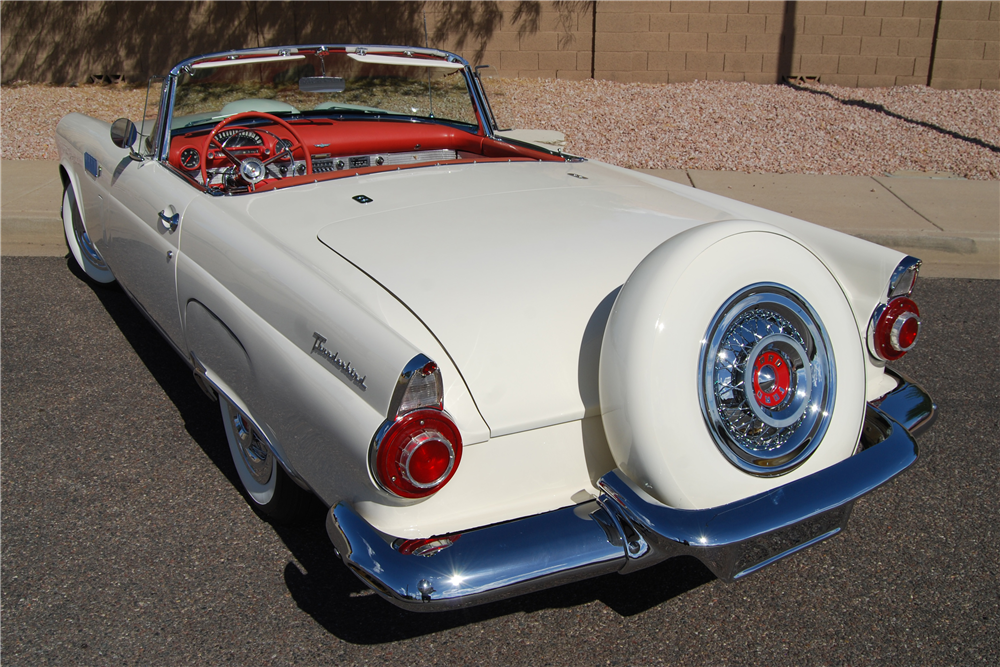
{"type": "Point", "coordinates": [476, 93]}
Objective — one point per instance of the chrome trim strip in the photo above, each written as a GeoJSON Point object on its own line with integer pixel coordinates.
{"type": "Point", "coordinates": [626, 529]}
{"type": "Point", "coordinates": [275, 50]}
{"type": "Point", "coordinates": [481, 91]}
{"type": "Point", "coordinates": [340, 162]}
{"type": "Point", "coordinates": [480, 101]}
{"type": "Point", "coordinates": [870, 334]}
{"type": "Point", "coordinates": [167, 116]}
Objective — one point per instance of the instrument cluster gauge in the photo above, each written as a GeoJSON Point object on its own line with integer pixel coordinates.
{"type": "Point", "coordinates": [239, 138]}
{"type": "Point", "coordinates": [281, 145]}
{"type": "Point", "coordinates": [190, 158]}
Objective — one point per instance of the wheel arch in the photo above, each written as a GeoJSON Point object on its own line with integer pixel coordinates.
{"type": "Point", "coordinates": [324, 426]}
{"type": "Point", "coordinates": [69, 177]}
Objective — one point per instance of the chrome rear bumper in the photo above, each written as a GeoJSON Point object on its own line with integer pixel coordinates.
{"type": "Point", "coordinates": [625, 529]}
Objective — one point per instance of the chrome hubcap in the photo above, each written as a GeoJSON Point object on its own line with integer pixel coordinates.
{"type": "Point", "coordinates": [767, 379]}
{"type": "Point", "coordinates": [253, 450]}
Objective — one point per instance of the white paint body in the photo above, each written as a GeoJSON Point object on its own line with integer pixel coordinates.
{"type": "Point", "coordinates": [504, 274]}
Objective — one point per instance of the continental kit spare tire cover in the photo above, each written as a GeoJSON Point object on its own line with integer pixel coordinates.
{"type": "Point", "coordinates": [731, 364]}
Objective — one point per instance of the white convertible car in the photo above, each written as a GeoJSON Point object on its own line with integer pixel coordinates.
{"type": "Point", "coordinates": [501, 367]}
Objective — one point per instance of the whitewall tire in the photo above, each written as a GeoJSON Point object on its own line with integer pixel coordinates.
{"type": "Point", "coordinates": [267, 485]}
{"type": "Point", "coordinates": [80, 246]}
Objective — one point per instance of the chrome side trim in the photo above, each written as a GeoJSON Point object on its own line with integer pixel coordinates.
{"type": "Point", "coordinates": [626, 530]}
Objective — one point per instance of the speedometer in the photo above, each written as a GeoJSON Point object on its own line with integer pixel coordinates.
{"type": "Point", "coordinates": [238, 138]}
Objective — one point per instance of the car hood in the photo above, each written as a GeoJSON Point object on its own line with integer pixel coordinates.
{"type": "Point", "coordinates": [512, 267]}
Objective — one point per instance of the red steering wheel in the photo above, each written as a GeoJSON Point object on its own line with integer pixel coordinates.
{"type": "Point", "coordinates": [260, 167]}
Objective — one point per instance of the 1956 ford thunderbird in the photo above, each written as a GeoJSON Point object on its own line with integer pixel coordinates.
{"type": "Point", "coordinates": [501, 367]}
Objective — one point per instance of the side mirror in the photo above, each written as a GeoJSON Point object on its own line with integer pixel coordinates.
{"type": "Point", "coordinates": [123, 135]}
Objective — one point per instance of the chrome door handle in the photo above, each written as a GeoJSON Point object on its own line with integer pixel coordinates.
{"type": "Point", "coordinates": [169, 222]}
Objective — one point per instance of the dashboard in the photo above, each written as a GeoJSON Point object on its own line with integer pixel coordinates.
{"type": "Point", "coordinates": [269, 153]}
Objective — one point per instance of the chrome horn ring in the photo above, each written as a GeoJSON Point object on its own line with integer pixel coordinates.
{"type": "Point", "coordinates": [767, 379]}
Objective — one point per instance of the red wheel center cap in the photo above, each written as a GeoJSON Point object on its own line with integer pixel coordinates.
{"type": "Point", "coordinates": [771, 379]}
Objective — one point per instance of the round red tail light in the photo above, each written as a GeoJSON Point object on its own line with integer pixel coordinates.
{"type": "Point", "coordinates": [418, 453]}
{"type": "Point", "coordinates": [895, 329]}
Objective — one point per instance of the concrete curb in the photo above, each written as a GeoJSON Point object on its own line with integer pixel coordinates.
{"type": "Point", "coordinates": [951, 223]}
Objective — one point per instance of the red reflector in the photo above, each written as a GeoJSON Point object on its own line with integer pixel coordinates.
{"type": "Point", "coordinates": [429, 460]}
{"type": "Point", "coordinates": [425, 547]}
{"type": "Point", "coordinates": [908, 333]}
{"type": "Point", "coordinates": [896, 329]}
{"type": "Point", "coordinates": [418, 454]}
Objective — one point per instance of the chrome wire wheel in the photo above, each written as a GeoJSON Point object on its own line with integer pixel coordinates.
{"type": "Point", "coordinates": [768, 379]}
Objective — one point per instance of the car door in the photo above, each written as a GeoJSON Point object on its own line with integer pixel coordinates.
{"type": "Point", "coordinates": [143, 228]}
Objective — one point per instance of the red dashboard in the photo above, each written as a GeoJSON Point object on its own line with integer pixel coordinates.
{"type": "Point", "coordinates": [339, 147]}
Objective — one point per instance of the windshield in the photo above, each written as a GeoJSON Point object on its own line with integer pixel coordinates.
{"type": "Point", "coordinates": [320, 82]}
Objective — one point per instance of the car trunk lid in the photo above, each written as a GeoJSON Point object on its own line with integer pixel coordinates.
{"type": "Point", "coordinates": [513, 267]}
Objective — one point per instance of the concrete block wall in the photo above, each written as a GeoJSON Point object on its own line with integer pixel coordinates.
{"type": "Point", "coordinates": [949, 44]}
{"type": "Point", "coordinates": [539, 40]}
{"type": "Point", "coordinates": [968, 46]}
{"type": "Point", "coordinates": [849, 43]}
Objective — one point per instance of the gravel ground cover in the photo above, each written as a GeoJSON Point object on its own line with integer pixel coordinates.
{"type": "Point", "coordinates": [705, 125]}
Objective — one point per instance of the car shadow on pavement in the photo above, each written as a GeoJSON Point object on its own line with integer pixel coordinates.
{"type": "Point", "coordinates": [323, 587]}
{"type": "Point", "coordinates": [331, 594]}
{"type": "Point", "coordinates": [200, 415]}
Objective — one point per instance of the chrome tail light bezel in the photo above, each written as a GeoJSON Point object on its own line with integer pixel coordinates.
{"type": "Point", "coordinates": [892, 312]}
{"type": "Point", "coordinates": [415, 417]}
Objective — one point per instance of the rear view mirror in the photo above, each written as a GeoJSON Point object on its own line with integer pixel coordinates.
{"type": "Point", "coordinates": [123, 135]}
{"type": "Point", "coordinates": [322, 84]}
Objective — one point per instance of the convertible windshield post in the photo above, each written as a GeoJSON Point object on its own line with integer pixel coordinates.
{"type": "Point", "coordinates": [149, 134]}
{"type": "Point", "coordinates": [165, 117]}
{"type": "Point", "coordinates": [490, 120]}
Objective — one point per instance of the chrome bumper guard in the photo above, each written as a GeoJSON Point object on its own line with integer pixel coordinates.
{"type": "Point", "coordinates": [625, 529]}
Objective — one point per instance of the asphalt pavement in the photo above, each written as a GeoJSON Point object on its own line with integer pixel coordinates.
{"type": "Point", "coordinates": [951, 223]}
{"type": "Point", "coordinates": [126, 539]}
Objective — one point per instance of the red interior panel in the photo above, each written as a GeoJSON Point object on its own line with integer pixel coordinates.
{"type": "Point", "coordinates": [334, 138]}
